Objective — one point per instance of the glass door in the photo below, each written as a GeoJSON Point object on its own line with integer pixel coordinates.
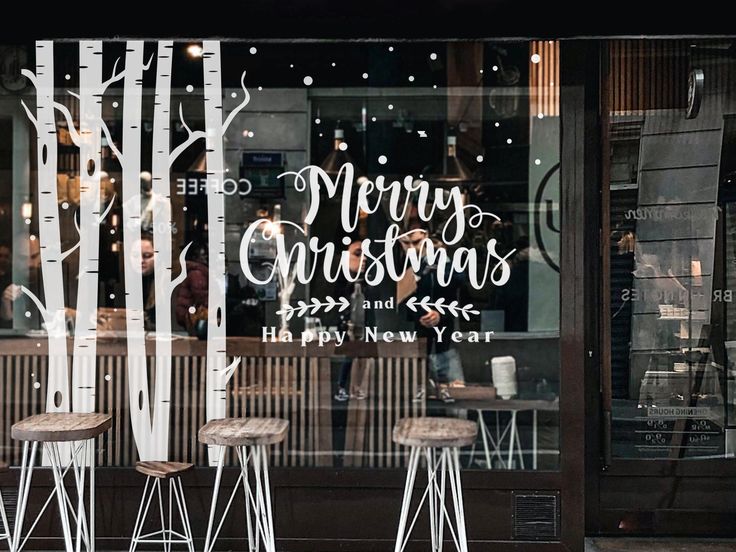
{"type": "Point", "coordinates": [668, 264]}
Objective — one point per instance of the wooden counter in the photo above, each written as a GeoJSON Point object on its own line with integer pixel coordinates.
{"type": "Point", "coordinates": [274, 379]}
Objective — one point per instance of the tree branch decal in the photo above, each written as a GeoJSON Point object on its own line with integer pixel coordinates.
{"type": "Point", "coordinates": [192, 137]}
{"type": "Point", "coordinates": [183, 267]}
{"type": "Point", "coordinates": [239, 107]}
{"type": "Point", "coordinates": [441, 307]}
{"type": "Point", "coordinates": [313, 306]}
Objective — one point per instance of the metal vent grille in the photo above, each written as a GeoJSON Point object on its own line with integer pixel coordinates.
{"type": "Point", "coordinates": [536, 516]}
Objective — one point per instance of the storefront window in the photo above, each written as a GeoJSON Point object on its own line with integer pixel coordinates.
{"type": "Point", "coordinates": [670, 143]}
{"type": "Point", "coordinates": [337, 234]}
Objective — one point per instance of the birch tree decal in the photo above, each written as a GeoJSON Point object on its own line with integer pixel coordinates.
{"type": "Point", "coordinates": [218, 371]}
{"type": "Point", "coordinates": [163, 159]}
{"type": "Point", "coordinates": [91, 89]}
{"type": "Point", "coordinates": [130, 162]}
{"type": "Point", "coordinates": [53, 312]}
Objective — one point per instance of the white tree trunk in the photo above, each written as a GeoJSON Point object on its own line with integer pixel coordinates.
{"type": "Point", "coordinates": [57, 384]}
{"type": "Point", "coordinates": [162, 242]}
{"type": "Point", "coordinates": [217, 373]}
{"type": "Point", "coordinates": [140, 416]}
{"type": "Point", "coordinates": [85, 327]}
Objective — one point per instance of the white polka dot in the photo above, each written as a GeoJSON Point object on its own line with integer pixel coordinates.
{"type": "Point", "coordinates": [333, 63]}
{"type": "Point", "coordinates": [36, 385]}
{"type": "Point", "coordinates": [434, 86]}
{"type": "Point", "coordinates": [184, 208]}
{"type": "Point", "coordinates": [112, 296]}
{"type": "Point", "coordinates": [250, 134]}
{"type": "Point", "coordinates": [291, 65]}
{"type": "Point", "coordinates": [411, 78]}
{"type": "Point", "coordinates": [365, 75]}
{"type": "Point", "coordinates": [33, 238]}
{"type": "Point", "coordinates": [28, 314]}
{"type": "Point", "coordinates": [433, 56]}
{"type": "Point", "coordinates": [390, 48]}
{"type": "Point", "coordinates": [479, 159]}
{"type": "Point", "coordinates": [382, 160]}
{"type": "Point", "coordinates": [64, 205]}
{"type": "Point", "coordinates": [497, 124]}
{"type": "Point", "coordinates": [373, 119]}
{"type": "Point", "coordinates": [509, 140]}
{"type": "Point", "coordinates": [192, 310]}
{"type": "Point", "coordinates": [317, 121]}
{"type": "Point", "coordinates": [189, 88]}
{"type": "Point", "coordinates": [260, 88]}
{"type": "Point", "coordinates": [112, 181]}
{"type": "Point", "coordinates": [28, 221]}
{"type": "Point", "coordinates": [308, 80]}
{"type": "Point", "coordinates": [233, 95]}
{"type": "Point", "coordinates": [108, 377]}
{"type": "Point", "coordinates": [481, 71]}
{"type": "Point", "coordinates": [112, 231]}
{"type": "Point", "coordinates": [540, 116]}
{"type": "Point", "coordinates": [253, 50]}
{"type": "Point", "coordinates": [537, 161]}
{"type": "Point", "coordinates": [67, 76]}
{"type": "Point", "coordinates": [495, 68]}
{"type": "Point", "coordinates": [390, 107]}
{"type": "Point", "coordinates": [115, 104]}
{"type": "Point", "coordinates": [343, 146]}
{"type": "Point", "coordinates": [320, 135]}
{"type": "Point", "coordinates": [345, 240]}
{"type": "Point", "coordinates": [536, 58]}
{"type": "Point", "coordinates": [37, 345]}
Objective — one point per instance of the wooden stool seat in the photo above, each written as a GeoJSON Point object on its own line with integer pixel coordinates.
{"type": "Point", "coordinates": [3, 467]}
{"type": "Point", "coordinates": [236, 432]}
{"type": "Point", "coordinates": [162, 470]}
{"type": "Point", "coordinates": [435, 432]}
{"type": "Point", "coordinates": [61, 426]}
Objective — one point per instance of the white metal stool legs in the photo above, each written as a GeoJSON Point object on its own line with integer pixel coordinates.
{"type": "Point", "coordinates": [258, 511]}
{"type": "Point", "coordinates": [4, 528]}
{"type": "Point", "coordinates": [440, 467]}
{"type": "Point", "coordinates": [81, 459]}
{"type": "Point", "coordinates": [165, 536]}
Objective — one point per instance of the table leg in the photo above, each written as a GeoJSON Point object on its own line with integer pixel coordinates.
{"type": "Point", "coordinates": [511, 439]}
{"type": "Point", "coordinates": [535, 437]}
{"type": "Point", "coordinates": [484, 434]}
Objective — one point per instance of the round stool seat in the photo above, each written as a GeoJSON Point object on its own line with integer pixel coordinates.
{"type": "Point", "coordinates": [61, 426]}
{"type": "Point", "coordinates": [162, 470]}
{"type": "Point", "coordinates": [435, 432]}
{"type": "Point", "coordinates": [235, 432]}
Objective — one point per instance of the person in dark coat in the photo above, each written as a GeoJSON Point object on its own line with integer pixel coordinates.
{"type": "Point", "coordinates": [444, 364]}
{"type": "Point", "coordinates": [192, 293]}
{"type": "Point", "coordinates": [347, 289]}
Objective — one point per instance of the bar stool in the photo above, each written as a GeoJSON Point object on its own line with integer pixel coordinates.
{"type": "Point", "coordinates": [4, 528]}
{"type": "Point", "coordinates": [155, 473]}
{"type": "Point", "coordinates": [439, 441]}
{"type": "Point", "coordinates": [69, 441]}
{"type": "Point", "coordinates": [250, 437]}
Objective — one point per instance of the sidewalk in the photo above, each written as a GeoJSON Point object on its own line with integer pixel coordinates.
{"type": "Point", "coordinates": [664, 544]}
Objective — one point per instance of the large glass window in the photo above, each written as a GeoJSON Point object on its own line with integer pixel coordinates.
{"type": "Point", "coordinates": [337, 234]}
{"type": "Point", "coordinates": [671, 143]}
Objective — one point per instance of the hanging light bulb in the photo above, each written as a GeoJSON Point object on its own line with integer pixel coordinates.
{"type": "Point", "coordinates": [455, 169]}
{"type": "Point", "coordinates": [338, 156]}
{"type": "Point", "coordinates": [26, 210]}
